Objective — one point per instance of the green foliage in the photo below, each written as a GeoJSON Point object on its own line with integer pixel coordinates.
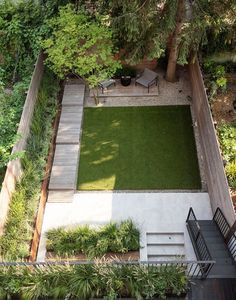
{"type": "Point", "coordinates": [20, 23]}
{"type": "Point", "coordinates": [227, 139]}
{"type": "Point", "coordinates": [215, 79]}
{"type": "Point", "coordinates": [92, 280]}
{"type": "Point", "coordinates": [230, 170]}
{"type": "Point", "coordinates": [112, 237]}
{"type": "Point", "coordinates": [81, 45]}
{"type": "Point", "coordinates": [11, 108]}
{"type": "Point", "coordinates": [19, 226]}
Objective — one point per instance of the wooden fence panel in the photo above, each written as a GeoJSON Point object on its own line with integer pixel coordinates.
{"type": "Point", "coordinates": [13, 171]}
{"type": "Point", "coordinates": [214, 169]}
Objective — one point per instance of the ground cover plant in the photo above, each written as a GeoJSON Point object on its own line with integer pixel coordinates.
{"type": "Point", "coordinates": [94, 242]}
{"type": "Point", "coordinates": [138, 148]}
{"type": "Point", "coordinates": [20, 221]}
{"type": "Point", "coordinates": [83, 282]}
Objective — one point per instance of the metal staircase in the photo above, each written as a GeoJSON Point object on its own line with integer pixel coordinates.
{"type": "Point", "coordinates": [211, 241]}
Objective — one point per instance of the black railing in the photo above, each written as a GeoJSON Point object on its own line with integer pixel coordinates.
{"type": "Point", "coordinates": [198, 241]}
{"type": "Point", "coordinates": [192, 269]}
{"type": "Point", "coordinates": [226, 231]}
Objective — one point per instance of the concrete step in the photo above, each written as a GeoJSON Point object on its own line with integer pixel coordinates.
{"type": "Point", "coordinates": [166, 249]}
{"type": "Point", "coordinates": [165, 238]}
{"type": "Point", "coordinates": [165, 257]}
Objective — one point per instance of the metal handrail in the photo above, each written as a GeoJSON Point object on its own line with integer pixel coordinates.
{"type": "Point", "coordinates": [221, 222]}
{"type": "Point", "coordinates": [224, 229]}
{"type": "Point", "coordinates": [198, 241]}
{"type": "Point", "coordinates": [193, 269]}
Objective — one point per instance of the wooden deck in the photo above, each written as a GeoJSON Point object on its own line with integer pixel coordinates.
{"type": "Point", "coordinates": [63, 177]}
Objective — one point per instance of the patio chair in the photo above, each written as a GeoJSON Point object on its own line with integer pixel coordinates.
{"type": "Point", "coordinates": [106, 83]}
{"type": "Point", "coordinates": [147, 78]}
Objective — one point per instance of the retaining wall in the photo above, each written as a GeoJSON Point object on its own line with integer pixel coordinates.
{"type": "Point", "coordinates": [13, 171]}
{"type": "Point", "coordinates": [215, 175]}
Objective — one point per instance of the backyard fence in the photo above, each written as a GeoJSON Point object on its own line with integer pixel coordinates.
{"type": "Point", "coordinates": [13, 170]}
{"type": "Point", "coordinates": [215, 175]}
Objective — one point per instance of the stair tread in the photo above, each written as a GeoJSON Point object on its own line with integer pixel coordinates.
{"type": "Point", "coordinates": [167, 233]}
{"type": "Point", "coordinates": [165, 251]}
{"type": "Point", "coordinates": [220, 254]}
{"type": "Point", "coordinates": [165, 238]}
{"type": "Point", "coordinates": [165, 244]}
{"type": "Point", "coordinates": [211, 233]}
{"type": "Point", "coordinates": [223, 269]}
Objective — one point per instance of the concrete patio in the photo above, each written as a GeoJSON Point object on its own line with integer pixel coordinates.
{"type": "Point", "coordinates": [152, 212]}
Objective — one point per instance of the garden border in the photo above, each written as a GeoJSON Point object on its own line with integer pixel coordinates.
{"type": "Point", "coordinates": [13, 171]}
{"type": "Point", "coordinates": [215, 175]}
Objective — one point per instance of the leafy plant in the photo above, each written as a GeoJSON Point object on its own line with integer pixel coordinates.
{"type": "Point", "coordinates": [20, 221]}
{"type": "Point", "coordinates": [227, 139]}
{"type": "Point", "coordinates": [230, 170]}
{"type": "Point", "coordinates": [81, 45]}
{"type": "Point", "coordinates": [112, 237]}
{"type": "Point", "coordinates": [214, 77]}
{"type": "Point", "coordinates": [92, 280]}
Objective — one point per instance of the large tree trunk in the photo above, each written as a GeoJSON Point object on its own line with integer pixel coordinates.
{"type": "Point", "coordinates": [174, 48]}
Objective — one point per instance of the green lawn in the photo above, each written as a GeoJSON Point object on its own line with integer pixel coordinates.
{"type": "Point", "coordinates": [138, 148]}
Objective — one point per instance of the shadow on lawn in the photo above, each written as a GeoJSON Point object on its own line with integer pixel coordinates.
{"type": "Point", "coordinates": [138, 148]}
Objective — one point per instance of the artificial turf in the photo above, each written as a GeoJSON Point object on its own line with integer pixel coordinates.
{"type": "Point", "coordinates": [133, 148]}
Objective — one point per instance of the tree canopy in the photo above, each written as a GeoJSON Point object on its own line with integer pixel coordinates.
{"type": "Point", "coordinates": [81, 45]}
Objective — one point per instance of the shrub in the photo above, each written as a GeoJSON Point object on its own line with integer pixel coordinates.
{"type": "Point", "coordinates": [112, 237]}
{"type": "Point", "coordinates": [214, 77]}
{"type": "Point", "coordinates": [230, 170]}
{"type": "Point", "coordinates": [20, 221]}
{"type": "Point", "coordinates": [227, 138]}
{"type": "Point", "coordinates": [92, 280]}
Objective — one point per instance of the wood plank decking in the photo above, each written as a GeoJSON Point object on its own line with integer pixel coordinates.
{"type": "Point", "coordinates": [65, 164]}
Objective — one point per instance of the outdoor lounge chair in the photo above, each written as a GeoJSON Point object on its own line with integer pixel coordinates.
{"type": "Point", "coordinates": [147, 78]}
{"type": "Point", "coordinates": [106, 83]}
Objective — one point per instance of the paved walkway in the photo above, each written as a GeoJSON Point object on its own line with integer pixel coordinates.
{"type": "Point", "coordinates": [65, 164]}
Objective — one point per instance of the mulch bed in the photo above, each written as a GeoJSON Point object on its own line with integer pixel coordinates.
{"type": "Point", "coordinates": [129, 256]}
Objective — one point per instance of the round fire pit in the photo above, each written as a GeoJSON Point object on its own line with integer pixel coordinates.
{"type": "Point", "coordinates": [125, 80]}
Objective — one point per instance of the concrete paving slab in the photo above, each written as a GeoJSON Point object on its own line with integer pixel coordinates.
{"type": "Point", "coordinates": [66, 155]}
{"type": "Point", "coordinates": [60, 196]}
{"type": "Point", "coordinates": [73, 94]}
{"type": "Point", "coordinates": [63, 178]}
{"type": "Point", "coordinates": [68, 133]}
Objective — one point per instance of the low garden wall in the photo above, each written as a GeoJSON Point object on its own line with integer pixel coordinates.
{"type": "Point", "coordinates": [215, 175]}
{"type": "Point", "coordinates": [13, 170]}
